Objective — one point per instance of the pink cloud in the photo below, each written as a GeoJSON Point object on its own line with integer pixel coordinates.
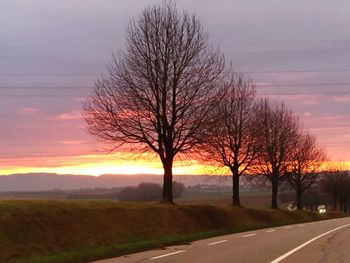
{"type": "Point", "coordinates": [341, 99]}
{"type": "Point", "coordinates": [310, 101]}
{"type": "Point", "coordinates": [328, 120]}
{"type": "Point", "coordinates": [27, 110]}
{"type": "Point", "coordinates": [306, 99]}
{"type": "Point", "coordinates": [335, 117]}
{"type": "Point", "coordinates": [68, 116]}
{"type": "Point", "coordinates": [72, 142]}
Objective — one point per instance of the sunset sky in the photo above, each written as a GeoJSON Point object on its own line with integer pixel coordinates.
{"type": "Point", "coordinates": [51, 52]}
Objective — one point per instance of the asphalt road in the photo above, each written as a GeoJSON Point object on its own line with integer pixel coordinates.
{"type": "Point", "coordinates": [322, 241]}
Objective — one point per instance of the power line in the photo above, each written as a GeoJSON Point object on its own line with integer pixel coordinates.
{"type": "Point", "coordinates": [43, 96]}
{"type": "Point", "coordinates": [52, 75]}
{"type": "Point", "coordinates": [45, 154]}
{"type": "Point", "coordinates": [263, 94]}
{"type": "Point", "coordinates": [48, 87]}
{"type": "Point", "coordinates": [247, 42]}
{"type": "Point", "coordinates": [43, 129]}
{"type": "Point", "coordinates": [83, 129]}
{"type": "Point", "coordinates": [304, 93]}
{"type": "Point", "coordinates": [46, 144]}
{"type": "Point", "coordinates": [104, 74]}
{"type": "Point", "coordinates": [87, 143]}
{"type": "Point", "coordinates": [296, 71]}
{"type": "Point", "coordinates": [303, 84]}
{"type": "Point", "coordinates": [320, 84]}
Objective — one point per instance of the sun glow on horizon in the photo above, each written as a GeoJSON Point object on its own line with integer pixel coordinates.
{"type": "Point", "coordinates": [119, 163]}
{"type": "Point", "coordinates": [116, 163]}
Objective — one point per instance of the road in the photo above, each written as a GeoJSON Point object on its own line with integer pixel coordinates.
{"type": "Point", "coordinates": [322, 241]}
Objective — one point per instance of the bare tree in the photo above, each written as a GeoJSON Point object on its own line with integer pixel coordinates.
{"type": "Point", "coordinates": [229, 140]}
{"type": "Point", "coordinates": [160, 90]}
{"type": "Point", "coordinates": [276, 130]}
{"type": "Point", "coordinates": [304, 166]}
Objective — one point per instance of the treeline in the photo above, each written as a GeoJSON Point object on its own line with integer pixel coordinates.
{"type": "Point", "coordinates": [330, 187]}
{"type": "Point", "coordinates": [336, 184]}
{"type": "Point", "coordinates": [142, 192]}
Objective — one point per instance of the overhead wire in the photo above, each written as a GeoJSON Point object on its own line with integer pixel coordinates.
{"type": "Point", "coordinates": [17, 75]}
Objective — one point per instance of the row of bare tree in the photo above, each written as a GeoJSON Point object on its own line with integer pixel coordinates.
{"type": "Point", "coordinates": [170, 93]}
{"type": "Point", "coordinates": [254, 136]}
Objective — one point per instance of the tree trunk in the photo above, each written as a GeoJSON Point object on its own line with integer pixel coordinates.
{"type": "Point", "coordinates": [299, 206]}
{"type": "Point", "coordinates": [235, 190]}
{"type": "Point", "coordinates": [345, 205]}
{"type": "Point", "coordinates": [341, 203]}
{"type": "Point", "coordinates": [167, 197]}
{"type": "Point", "coordinates": [335, 201]}
{"type": "Point", "coordinates": [274, 182]}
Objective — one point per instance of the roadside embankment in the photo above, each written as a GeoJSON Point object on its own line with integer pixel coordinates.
{"type": "Point", "coordinates": [82, 231]}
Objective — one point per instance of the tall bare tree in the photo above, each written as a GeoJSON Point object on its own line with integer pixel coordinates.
{"type": "Point", "coordinates": [304, 166]}
{"type": "Point", "coordinates": [229, 140]}
{"type": "Point", "coordinates": [159, 90]}
{"type": "Point", "coordinates": [277, 128]}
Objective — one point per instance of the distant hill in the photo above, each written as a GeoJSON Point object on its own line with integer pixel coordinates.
{"type": "Point", "coordinates": [50, 181]}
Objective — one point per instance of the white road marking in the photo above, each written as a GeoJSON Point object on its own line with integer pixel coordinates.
{"type": "Point", "coordinates": [217, 242]}
{"type": "Point", "coordinates": [301, 225]}
{"type": "Point", "coordinates": [249, 235]}
{"type": "Point", "coordinates": [305, 244]}
{"type": "Point", "coordinates": [169, 254]}
{"type": "Point", "coordinates": [269, 231]}
{"type": "Point", "coordinates": [288, 227]}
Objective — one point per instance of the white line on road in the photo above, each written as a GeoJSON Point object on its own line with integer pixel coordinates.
{"type": "Point", "coordinates": [288, 227]}
{"type": "Point", "coordinates": [249, 235]}
{"type": "Point", "coordinates": [269, 231]}
{"type": "Point", "coordinates": [305, 244]}
{"type": "Point", "coordinates": [169, 254]}
{"type": "Point", "coordinates": [301, 225]}
{"type": "Point", "coordinates": [217, 242]}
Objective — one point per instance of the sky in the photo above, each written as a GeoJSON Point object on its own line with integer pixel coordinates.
{"type": "Point", "coordinates": [52, 52]}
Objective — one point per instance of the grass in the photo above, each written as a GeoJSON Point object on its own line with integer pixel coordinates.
{"type": "Point", "coordinates": [81, 231]}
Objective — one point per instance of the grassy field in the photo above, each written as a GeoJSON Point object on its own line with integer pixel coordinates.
{"type": "Point", "coordinates": [222, 197]}
{"type": "Point", "coordinates": [81, 231]}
